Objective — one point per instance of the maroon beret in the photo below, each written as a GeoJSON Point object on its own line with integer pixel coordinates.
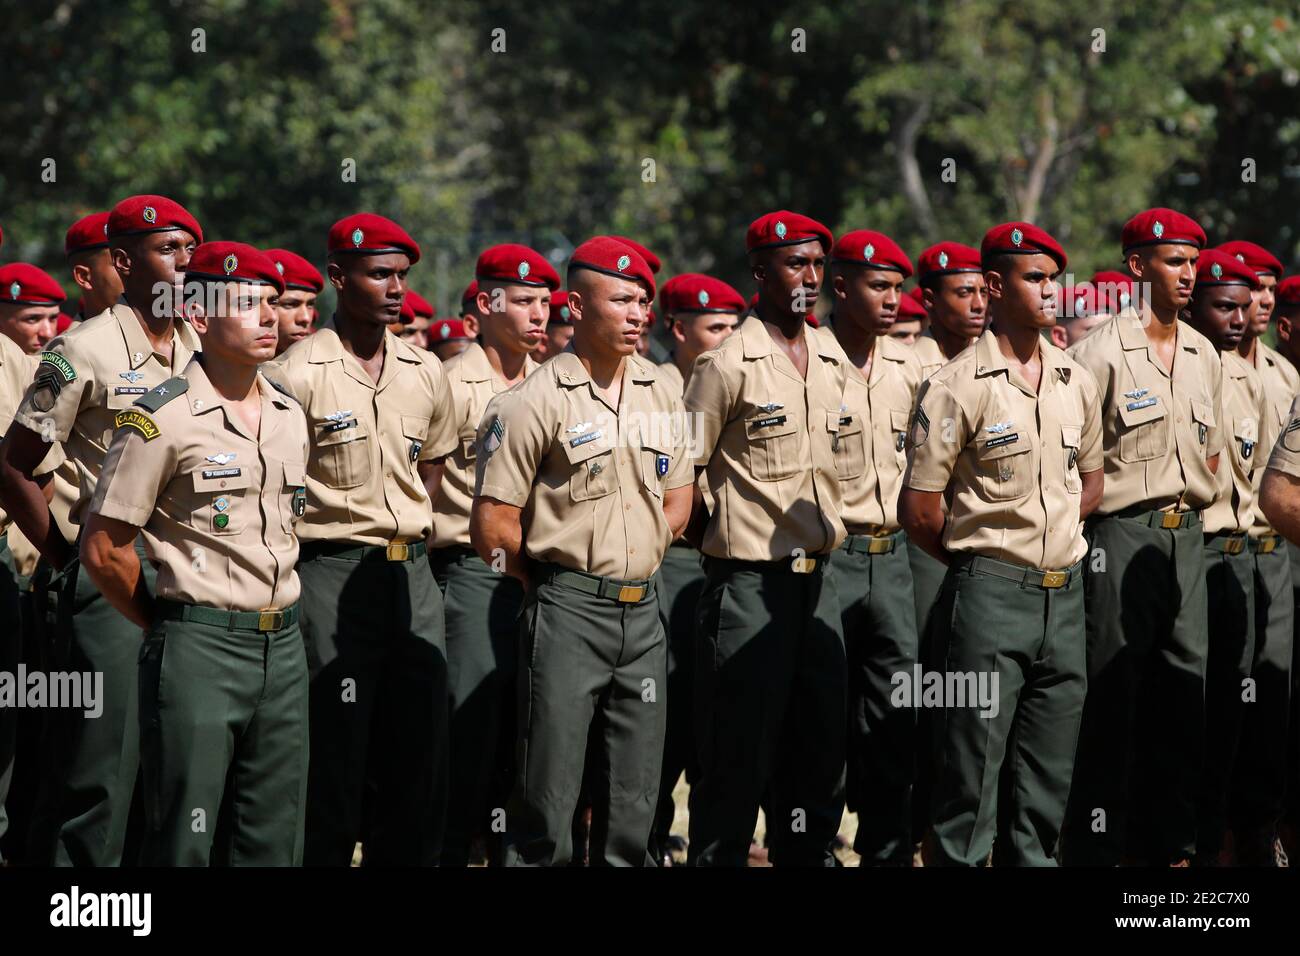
{"type": "Point", "coordinates": [445, 330]}
{"type": "Point", "coordinates": [866, 247]}
{"type": "Point", "coordinates": [513, 263]}
{"type": "Point", "coordinates": [1155, 226]}
{"type": "Point", "coordinates": [1256, 257]}
{"type": "Point", "coordinates": [1078, 301]}
{"type": "Point", "coordinates": [22, 283]}
{"type": "Point", "coordinates": [785, 228]}
{"type": "Point", "coordinates": [614, 258]}
{"type": "Point", "coordinates": [88, 232]}
{"type": "Point", "coordinates": [910, 307]}
{"type": "Point", "coordinates": [469, 295]}
{"type": "Point", "coordinates": [1112, 290]}
{"type": "Point", "coordinates": [948, 258]}
{"type": "Point", "coordinates": [560, 307]}
{"type": "Point", "coordinates": [420, 306]}
{"type": "Point", "coordinates": [298, 272]}
{"type": "Point", "coordinates": [650, 258]}
{"type": "Point", "coordinates": [234, 262]}
{"type": "Point", "coordinates": [136, 215]}
{"type": "Point", "coordinates": [696, 292]}
{"type": "Point", "coordinates": [371, 235]}
{"type": "Point", "coordinates": [1288, 291]}
{"type": "Point", "coordinates": [1216, 267]}
{"type": "Point", "coordinates": [1020, 237]}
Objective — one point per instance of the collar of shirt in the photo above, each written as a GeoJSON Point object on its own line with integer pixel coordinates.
{"type": "Point", "coordinates": [138, 346]}
{"type": "Point", "coordinates": [989, 360]}
{"type": "Point", "coordinates": [1235, 365]}
{"type": "Point", "coordinates": [474, 366]}
{"type": "Point", "coordinates": [757, 342]}
{"type": "Point", "coordinates": [326, 347]}
{"type": "Point", "coordinates": [1133, 336]}
{"type": "Point", "coordinates": [887, 350]}
{"type": "Point", "coordinates": [204, 398]}
{"type": "Point", "coordinates": [571, 373]}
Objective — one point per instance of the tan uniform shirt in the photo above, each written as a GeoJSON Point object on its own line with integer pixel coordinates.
{"type": "Point", "coordinates": [16, 369]}
{"type": "Point", "coordinates": [217, 504]}
{"type": "Point", "coordinates": [1246, 429]}
{"type": "Point", "coordinates": [1159, 428]}
{"type": "Point", "coordinates": [363, 484]}
{"type": "Point", "coordinates": [671, 373]}
{"type": "Point", "coordinates": [870, 449]}
{"type": "Point", "coordinates": [928, 354]}
{"type": "Point", "coordinates": [1010, 460]}
{"type": "Point", "coordinates": [589, 477]}
{"type": "Point", "coordinates": [473, 384]}
{"type": "Point", "coordinates": [1281, 385]}
{"type": "Point", "coordinates": [1285, 456]}
{"type": "Point", "coordinates": [764, 438]}
{"type": "Point", "coordinates": [86, 376]}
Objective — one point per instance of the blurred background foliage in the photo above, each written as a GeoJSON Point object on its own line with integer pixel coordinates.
{"type": "Point", "coordinates": [548, 141]}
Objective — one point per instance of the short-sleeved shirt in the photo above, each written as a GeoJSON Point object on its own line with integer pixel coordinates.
{"type": "Point", "coordinates": [669, 371]}
{"type": "Point", "coordinates": [1285, 456]}
{"type": "Point", "coordinates": [1159, 429]}
{"type": "Point", "coordinates": [16, 368]}
{"type": "Point", "coordinates": [90, 373]}
{"type": "Point", "coordinates": [589, 477]}
{"type": "Point", "coordinates": [1281, 385]}
{"type": "Point", "coordinates": [473, 384]}
{"type": "Point", "coordinates": [870, 448]}
{"type": "Point", "coordinates": [764, 439]}
{"type": "Point", "coordinates": [1247, 430]}
{"type": "Point", "coordinates": [367, 438]}
{"type": "Point", "coordinates": [928, 354]}
{"type": "Point", "coordinates": [1010, 461]}
{"type": "Point", "coordinates": [218, 505]}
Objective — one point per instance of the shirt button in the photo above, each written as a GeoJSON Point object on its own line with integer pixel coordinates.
{"type": "Point", "coordinates": [631, 550]}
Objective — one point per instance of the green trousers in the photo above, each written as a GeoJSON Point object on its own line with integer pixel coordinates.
{"type": "Point", "coordinates": [11, 637]}
{"type": "Point", "coordinates": [377, 655]}
{"type": "Point", "coordinates": [1138, 769]}
{"type": "Point", "coordinates": [681, 581]}
{"type": "Point", "coordinates": [1260, 779]}
{"type": "Point", "coordinates": [880, 639]}
{"type": "Point", "coordinates": [1005, 769]}
{"type": "Point", "coordinates": [482, 613]}
{"type": "Point", "coordinates": [1230, 603]}
{"type": "Point", "coordinates": [927, 578]}
{"type": "Point", "coordinates": [223, 718]}
{"type": "Point", "coordinates": [771, 713]}
{"type": "Point", "coordinates": [89, 776]}
{"type": "Point", "coordinates": [587, 661]}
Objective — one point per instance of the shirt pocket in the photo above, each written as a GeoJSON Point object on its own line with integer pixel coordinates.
{"type": "Point", "coordinates": [655, 465]}
{"type": "Point", "coordinates": [221, 501]}
{"type": "Point", "coordinates": [1004, 468]}
{"type": "Point", "coordinates": [594, 471]}
{"type": "Point", "coordinates": [1070, 438]}
{"type": "Point", "coordinates": [342, 458]}
{"type": "Point", "coordinates": [468, 445]}
{"type": "Point", "coordinates": [1143, 429]}
{"type": "Point", "coordinates": [848, 443]}
{"type": "Point", "coordinates": [414, 430]}
{"type": "Point", "coordinates": [1245, 433]}
{"type": "Point", "coordinates": [1203, 416]}
{"type": "Point", "coordinates": [293, 497]}
{"type": "Point", "coordinates": [899, 421]}
{"type": "Point", "coordinates": [772, 446]}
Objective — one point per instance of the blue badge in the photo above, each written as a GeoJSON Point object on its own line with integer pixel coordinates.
{"type": "Point", "coordinates": [661, 465]}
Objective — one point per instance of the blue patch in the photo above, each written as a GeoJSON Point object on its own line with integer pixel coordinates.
{"type": "Point", "coordinates": [661, 465]}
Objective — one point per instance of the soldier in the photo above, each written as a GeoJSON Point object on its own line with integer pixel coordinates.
{"type": "Point", "coordinates": [449, 337]}
{"type": "Point", "coordinates": [86, 247]}
{"type": "Point", "coordinates": [210, 466]}
{"type": "Point", "coordinates": [701, 312]}
{"type": "Point", "coordinates": [1142, 741]}
{"type": "Point", "coordinates": [469, 301]}
{"type": "Point", "coordinates": [871, 567]}
{"type": "Point", "coordinates": [955, 298]}
{"type": "Point", "coordinates": [1113, 291]}
{"type": "Point", "coordinates": [482, 604]}
{"type": "Point", "coordinates": [1081, 313]}
{"type": "Point", "coordinates": [379, 417]}
{"type": "Point", "coordinates": [1010, 433]}
{"type": "Point", "coordinates": [559, 327]}
{"type": "Point", "coordinates": [416, 332]}
{"type": "Point", "coordinates": [911, 318]}
{"type": "Point", "coordinates": [296, 306]}
{"type": "Point", "coordinates": [84, 379]}
{"type": "Point", "coordinates": [646, 346]}
{"type": "Point", "coordinates": [583, 480]}
{"type": "Point", "coordinates": [29, 305]}
{"type": "Point", "coordinates": [770, 679]}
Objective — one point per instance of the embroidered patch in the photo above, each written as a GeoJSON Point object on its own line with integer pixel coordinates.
{"type": "Point", "coordinates": [920, 428]}
{"type": "Point", "coordinates": [222, 472]}
{"type": "Point", "coordinates": [583, 439]}
{"type": "Point", "coordinates": [60, 364]}
{"type": "Point", "coordinates": [299, 501]}
{"type": "Point", "coordinates": [661, 465]}
{"type": "Point", "coordinates": [415, 450]}
{"type": "Point", "coordinates": [1145, 403]}
{"type": "Point", "coordinates": [492, 438]}
{"type": "Point", "coordinates": [137, 421]}
{"type": "Point", "coordinates": [1002, 440]}
{"type": "Point", "coordinates": [772, 420]}
{"type": "Point", "coordinates": [339, 426]}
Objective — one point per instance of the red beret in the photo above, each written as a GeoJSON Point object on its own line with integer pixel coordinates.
{"type": "Point", "coordinates": [420, 306]}
{"type": "Point", "coordinates": [560, 307]}
{"type": "Point", "coordinates": [234, 262]}
{"type": "Point", "coordinates": [516, 264]}
{"type": "Point", "coordinates": [1020, 237]}
{"type": "Point", "coordinates": [919, 295]}
{"type": "Point", "coordinates": [1256, 257]}
{"type": "Point", "coordinates": [368, 234]}
{"type": "Point", "coordinates": [1160, 225]}
{"type": "Point", "coordinates": [65, 321]}
{"type": "Point", "coordinates": [948, 258]}
{"type": "Point", "coordinates": [298, 272]}
{"type": "Point", "coordinates": [614, 258]}
{"type": "Point", "coordinates": [1216, 267]}
{"type": "Point", "coordinates": [445, 330]}
{"type": "Point", "coordinates": [136, 215]}
{"type": "Point", "coordinates": [695, 292]}
{"type": "Point", "coordinates": [1077, 301]}
{"type": "Point", "coordinates": [471, 293]}
{"type": "Point", "coordinates": [1288, 291]}
{"type": "Point", "coordinates": [650, 258]}
{"type": "Point", "coordinates": [22, 283]}
{"type": "Point", "coordinates": [1112, 290]}
{"type": "Point", "coordinates": [88, 232]}
{"type": "Point", "coordinates": [866, 247]}
{"type": "Point", "coordinates": [2, 237]}
{"type": "Point", "coordinates": [910, 307]}
{"type": "Point", "coordinates": [785, 228]}
{"type": "Point", "coordinates": [406, 315]}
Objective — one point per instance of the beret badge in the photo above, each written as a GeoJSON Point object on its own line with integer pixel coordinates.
{"type": "Point", "coordinates": [943, 260]}
{"type": "Point", "coordinates": [230, 264]}
{"type": "Point", "coordinates": [1017, 237]}
{"type": "Point", "coordinates": [703, 297]}
{"type": "Point", "coordinates": [869, 253]}
{"type": "Point", "coordinates": [523, 270]}
{"type": "Point", "coordinates": [1216, 270]}
{"type": "Point", "coordinates": [780, 229]}
{"type": "Point", "coordinates": [1157, 229]}
{"type": "Point", "coordinates": [150, 215]}
{"type": "Point", "coordinates": [14, 290]}
{"type": "Point", "coordinates": [624, 262]}
{"type": "Point", "coordinates": [357, 237]}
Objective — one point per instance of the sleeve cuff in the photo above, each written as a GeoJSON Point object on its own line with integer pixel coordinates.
{"type": "Point", "coordinates": [509, 496]}
{"type": "Point", "coordinates": [926, 484]}
{"type": "Point", "coordinates": [36, 422]}
{"type": "Point", "coordinates": [120, 511]}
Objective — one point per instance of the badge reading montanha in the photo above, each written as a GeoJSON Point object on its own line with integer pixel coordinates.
{"type": "Point", "coordinates": [137, 420]}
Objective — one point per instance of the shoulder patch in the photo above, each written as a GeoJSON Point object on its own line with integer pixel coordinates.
{"type": "Point", "coordinates": [58, 363]}
{"type": "Point", "coordinates": [156, 398]}
{"type": "Point", "coordinates": [137, 421]}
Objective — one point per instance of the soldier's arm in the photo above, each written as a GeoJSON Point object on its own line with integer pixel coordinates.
{"type": "Point", "coordinates": [1279, 493]}
{"type": "Point", "coordinates": [708, 403]}
{"type": "Point", "coordinates": [693, 533]}
{"type": "Point", "coordinates": [512, 440]}
{"type": "Point", "coordinates": [939, 433]}
{"type": "Point", "coordinates": [496, 530]}
{"type": "Point", "coordinates": [1092, 461]}
{"type": "Point", "coordinates": [108, 556]}
{"type": "Point", "coordinates": [1093, 485]}
{"type": "Point", "coordinates": [921, 514]}
{"type": "Point", "coordinates": [24, 496]}
{"type": "Point", "coordinates": [1214, 436]}
{"type": "Point", "coordinates": [440, 439]}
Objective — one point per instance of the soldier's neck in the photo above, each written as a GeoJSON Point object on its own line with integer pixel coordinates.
{"type": "Point", "coordinates": [362, 339]}
{"type": "Point", "coordinates": [1020, 342]}
{"type": "Point", "coordinates": [509, 366]}
{"type": "Point", "coordinates": [685, 364]}
{"type": "Point", "coordinates": [235, 383]}
{"type": "Point", "coordinates": [1246, 348]}
{"type": "Point", "coordinates": [950, 343]}
{"type": "Point", "coordinates": [1160, 325]}
{"type": "Point", "coordinates": [157, 329]}
{"type": "Point", "coordinates": [857, 342]}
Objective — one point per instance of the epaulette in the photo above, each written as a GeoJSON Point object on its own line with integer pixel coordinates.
{"type": "Point", "coordinates": [281, 389]}
{"type": "Point", "coordinates": [156, 398]}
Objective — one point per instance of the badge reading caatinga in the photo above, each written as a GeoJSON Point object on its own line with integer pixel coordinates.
{"type": "Point", "coordinates": [137, 420]}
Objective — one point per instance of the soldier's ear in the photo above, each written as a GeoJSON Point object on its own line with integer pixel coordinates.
{"type": "Point", "coordinates": [927, 297]}
{"type": "Point", "coordinates": [1135, 263]}
{"type": "Point", "coordinates": [81, 276]}
{"type": "Point", "coordinates": [471, 325]}
{"type": "Point", "coordinates": [335, 273]}
{"type": "Point", "coordinates": [121, 261]}
{"type": "Point", "coordinates": [993, 282]}
{"type": "Point", "coordinates": [1283, 328]}
{"type": "Point", "coordinates": [838, 286]}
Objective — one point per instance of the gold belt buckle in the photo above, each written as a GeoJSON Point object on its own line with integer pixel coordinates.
{"type": "Point", "coordinates": [1171, 521]}
{"type": "Point", "coordinates": [631, 593]}
{"type": "Point", "coordinates": [269, 619]}
{"type": "Point", "coordinates": [398, 552]}
{"type": "Point", "coordinates": [1234, 545]}
{"type": "Point", "coordinates": [1268, 544]}
{"type": "Point", "coordinates": [1054, 579]}
{"type": "Point", "coordinates": [803, 565]}
{"type": "Point", "coordinates": [879, 546]}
